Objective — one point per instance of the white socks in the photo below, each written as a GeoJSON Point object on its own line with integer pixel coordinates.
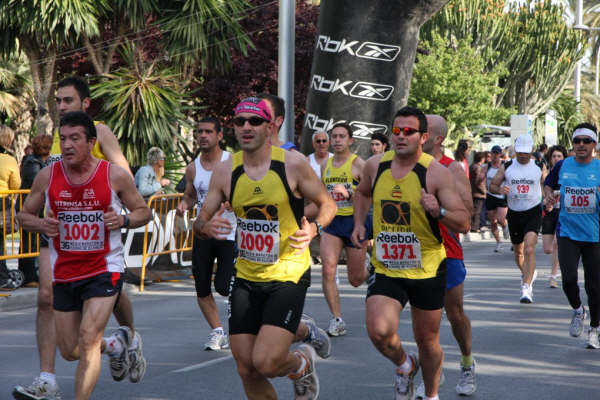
{"type": "Point", "coordinates": [48, 377]}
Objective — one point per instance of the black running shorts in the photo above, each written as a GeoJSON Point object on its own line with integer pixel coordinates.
{"type": "Point", "coordinates": [521, 222]}
{"type": "Point", "coordinates": [204, 253]}
{"type": "Point", "coordinates": [70, 296]}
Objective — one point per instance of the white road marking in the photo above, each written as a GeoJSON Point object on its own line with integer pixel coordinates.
{"type": "Point", "coordinates": [204, 364]}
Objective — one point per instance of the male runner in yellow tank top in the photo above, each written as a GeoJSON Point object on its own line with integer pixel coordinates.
{"type": "Point", "coordinates": [266, 187]}
{"type": "Point", "coordinates": [73, 94]}
{"type": "Point", "coordinates": [341, 175]}
{"type": "Point", "coordinates": [411, 194]}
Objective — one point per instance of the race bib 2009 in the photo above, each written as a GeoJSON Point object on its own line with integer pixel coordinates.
{"type": "Point", "coordinates": [258, 240]}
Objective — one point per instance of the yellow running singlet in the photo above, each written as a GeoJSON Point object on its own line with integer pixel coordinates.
{"type": "Point", "coordinates": [341, 175]}
{"type": "Point", "coordinates": [267, 214]}
{"type": "Point", "coordinates": [408, 243]}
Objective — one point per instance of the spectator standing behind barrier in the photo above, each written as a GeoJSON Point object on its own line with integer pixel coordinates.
{"type": "Point", "coordinates": [149, 178]}
{"type": "Point", "coordinates": [32, 164]}
{"type": "Point", "coordinates": [9, 180]}
{"type": "Point", "coordinates": [477, 179]}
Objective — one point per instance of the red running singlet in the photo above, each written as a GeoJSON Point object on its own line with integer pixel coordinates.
{"type": "Point", "coordinates": [451, 240]}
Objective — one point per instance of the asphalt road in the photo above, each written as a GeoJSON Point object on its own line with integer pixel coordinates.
{"type": "Point", "coordinates": [522, 351]}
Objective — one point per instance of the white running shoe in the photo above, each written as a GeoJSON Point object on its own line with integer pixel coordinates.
{"type": "Point", "coordinates": [466, 385]}
{"type": "Point", "coordinates": [119, 364]}
{"type": "Point", "coordinates": [317, 337]}
{"type": "Point", "coordinates": [38, 390]}
{"type": "Point", "coordinates": [306, 387]}
{"type": "Point", "coordinates": [337, 327]}
{"type": "Point", "coordinates": [553, 282]}
{"type": "Point", "coordinates": [498, 248]}
{"type": "Point", "coordinates": [420, 392]}
{"type": "Point", "coordinates": [593, 341]}
{"type": "Point", "coordinates": [526, 294]}
{"type": "Point", "coordinates": [137, 362]}
{"type": "Point", "coordinates": [576, 327]}
{"type": "Point", "coordinates": [217, 340]}
{"type": "Point", "coordinates": [404, 384]}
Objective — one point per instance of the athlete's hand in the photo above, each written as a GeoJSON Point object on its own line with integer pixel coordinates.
{"type": "Point", "coordinates": [549, 201]}
{"type": "Point", "coordinates": [430, 203]}
{"type": "Point", "coordinates": [341, 189]}
{"type": "Point", "coordinates": [359, 234]}
{"type": "Point", "coordinates": [218, 227]}
{"type": "Point", "coordinates": [50, 224]}
{"type": "Point", "coordinates": [302, 237]}
{"type": "Point", "coordinates": [505, 190]}
{"type": "Point", "coordinates": [181, 208]}
{"type": "Point", "coordinates": [112, 220]}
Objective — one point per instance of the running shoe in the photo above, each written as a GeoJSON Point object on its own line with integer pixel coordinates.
{"type": "Point", "coordinates": [337, 327]}
{"type": "Point", "coordinates": [119, 364]}
{"type": "Point", "coordinates": [505, 232]}
{"type": "Point", "coordinates": [420, 392]}
{"type": "Point", "coordinates": [306, 386]}
{"type": "Point", "coordinates": [317, 337]}
{"type": "Point", "coordinates": [137, 362]}
{"type": "Point", "coordinates": [526, 294]}
{"type": "Point", "coordinates": [593, 342]}
{"type": "Point", "coordinates": [467, 237]}
{"type": "Point", "coordinates": [404, 384]}
{"type": "Point", "coordinates": [466, 385]}
{"type": "Point", "coordinates": [217, 340]}
{"type": "Point", "coordinates": [553, 282]}
{"type": "Point", "coordinates": [38, 390]}
{"type": "Point", "coordinates": [498, 248]}
{"type": "Point", "coordinates": [576, 328]}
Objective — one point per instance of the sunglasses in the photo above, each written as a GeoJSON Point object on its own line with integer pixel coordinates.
{"type": "Point", "coordinates": [254, 121]}
{"type": "Point", "coordinates": [584, 140]}
{"type": "Point", "coordinates": [321, 141]}
{"type": "Point", "coordinates": [396, 130]}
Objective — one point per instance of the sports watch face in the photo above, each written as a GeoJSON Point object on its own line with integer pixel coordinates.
{"type": "Point", "coordinates": [395, 212]}
{"type": "Point", "coordinates": [266, 212]}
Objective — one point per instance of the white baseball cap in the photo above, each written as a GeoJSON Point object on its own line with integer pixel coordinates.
{"type": "Point", "coordinates": [524, 144]}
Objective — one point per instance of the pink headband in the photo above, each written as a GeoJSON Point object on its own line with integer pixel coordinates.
{"type": "Point", "coordinates": [254, 105]}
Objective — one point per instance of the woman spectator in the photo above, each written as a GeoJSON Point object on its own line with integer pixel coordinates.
{"type": "Point", "coordinates": [149, 178]}
{"type": "Point", "coordinates": [9, 180]}
{"type": "Point", "coordinates": [32, 164]}
{"type": "Point", "coordinates": [477, 179]}
{"type": "Point", "coordinates": [555, 154]}
{"type": "Point", "coordinates": [462, 155]}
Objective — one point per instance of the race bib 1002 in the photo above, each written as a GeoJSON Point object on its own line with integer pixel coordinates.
{"type": "Point", "coordinates": [81, 230]}
{"type": "Point", "coordinates": [398, 250]}
{"type": "Point", "coordinates": [258, 240]}
{"type": "Point", "coordinates": [580, 200]}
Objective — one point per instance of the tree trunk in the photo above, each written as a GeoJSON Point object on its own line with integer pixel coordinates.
{"type": "Point", "coordinates": [362, 65]}
{"type": "Point", "coordinates": [42, 65]}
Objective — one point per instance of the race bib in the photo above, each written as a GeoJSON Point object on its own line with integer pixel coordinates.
{"type": "Point", "coordinates": [522, 192]}
{"type": "Point", "coordinates": [81, 230]}
{"type": "Point", "coordinates": [398, 250]}
{"type": "Point", "coordinates": [340, 200]}
{"type": "Point", "coordinates": [258, 240]}
{"type": "Point", "coordinates": [580, 200]}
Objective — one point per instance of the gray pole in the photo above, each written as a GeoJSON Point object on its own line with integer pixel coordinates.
{"type": "Point", "coordinates": [578, 22]}
{"type": "Point", "coordinates": [285, 81]}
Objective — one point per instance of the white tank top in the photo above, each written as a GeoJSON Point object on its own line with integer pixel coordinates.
{"type": "Point", "coordinates": [524, 182]}
{"type": "Point", "coordinates": [201, 182]}
{"type": "Point", "coordinates": [491, 172]}
{"type": "Point", "coordinates": [315, 165]}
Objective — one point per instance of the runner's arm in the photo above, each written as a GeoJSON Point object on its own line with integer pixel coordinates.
{"type": "Point", "coordinates": [28, 217]}
{"type": "Point", "coordinates": [443, 188]}
{"type": "Point", "coordinates": [497, 180]}
{"type": "Point", "coordinates": [218, 192]}
{"type": "Point", "coordinates": [122, 182]}
{"type": "Point", "coordinates": [110, 147]}
{"type": "Point", "coordinates": [189, 196]}
{"type": "Point", "coordinates": [363, 200]}
{"type": "Point", "coordinates": [462, 185]}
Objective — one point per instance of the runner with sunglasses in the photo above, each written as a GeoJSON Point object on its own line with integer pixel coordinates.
{"type": "Point", "coordinates": [266, 187]}
{"type": "Point", "coordinates": [578, 231]}
{"type": "Point", "coordinates": [411, 195]}
{"type": "Point", "coordinates": [341, 175]}
{"type": "Point", "coordinates": [523, 179]}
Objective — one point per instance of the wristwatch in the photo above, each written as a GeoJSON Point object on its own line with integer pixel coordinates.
{"type": "Point", "coordinates": [319, 228]}
{"type": "Point", "coordinates": [442, 213]}
{"type": "Point", "coordinates": [125, 221]}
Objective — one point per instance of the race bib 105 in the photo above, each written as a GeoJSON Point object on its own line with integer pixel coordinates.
{"type": "Point", "coordinates": [580, 200]}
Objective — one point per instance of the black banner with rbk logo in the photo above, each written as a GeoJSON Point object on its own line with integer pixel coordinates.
{"type": "Point", "coordinates": [362, 66]}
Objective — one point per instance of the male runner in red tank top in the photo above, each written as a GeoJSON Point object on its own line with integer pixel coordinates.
{"type": "Point", "coordinates": [84, 197]}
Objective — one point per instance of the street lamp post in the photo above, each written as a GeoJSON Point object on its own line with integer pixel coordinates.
{"type": "Point", "coordinates": [580, 26]}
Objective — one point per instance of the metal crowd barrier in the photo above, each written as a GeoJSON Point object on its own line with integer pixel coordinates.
{"type": "Point", "coordinates": [12, 200]}
{"type": "Point", "coordinates": [164, 219]}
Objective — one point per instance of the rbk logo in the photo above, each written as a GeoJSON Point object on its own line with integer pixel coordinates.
{"type": "Point", "coordinates": [365, 130]}
{"type": "Point", "coordinates": [369, 50]}
{"type": "Point", "coordinates": [371, 91]}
